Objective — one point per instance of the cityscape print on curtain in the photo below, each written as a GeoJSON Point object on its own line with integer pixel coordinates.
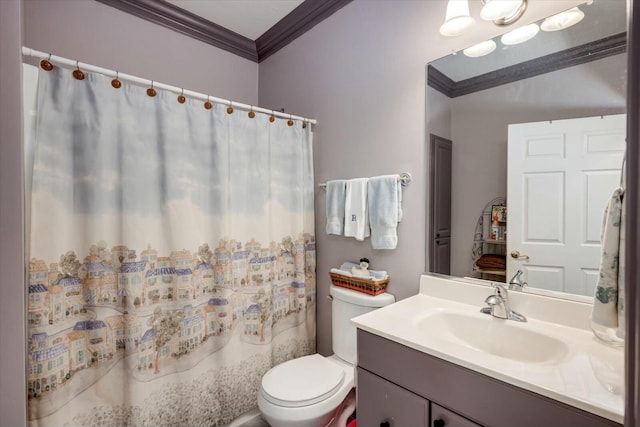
{"type": "Point", "coordinates": [172, 256]}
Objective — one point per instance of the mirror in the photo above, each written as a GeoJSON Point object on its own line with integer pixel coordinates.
{"type": "Point", "coordinates": [577, 72]}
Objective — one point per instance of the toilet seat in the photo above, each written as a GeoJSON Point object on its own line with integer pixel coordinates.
{"type": "Point", "coordinates": [302, 382]}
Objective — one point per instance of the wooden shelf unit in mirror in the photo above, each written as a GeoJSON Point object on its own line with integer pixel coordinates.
{"type": "Point", "coordinates": [490, 242]}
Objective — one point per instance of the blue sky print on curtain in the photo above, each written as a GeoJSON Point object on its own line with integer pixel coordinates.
{"type": "Point", "coordinates": [172, 256]}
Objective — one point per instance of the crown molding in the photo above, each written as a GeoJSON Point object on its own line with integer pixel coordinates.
{"type": "Point", "coordinates": [440, 82]}
{"type": "Point", "coordinates": [169, 16]}
{"type": "Point", "coordinates": [296, 23]}
{"type": "Point", "coordinates": [598, 49]}
{"type": "Point", "coordinates": [300, 20]}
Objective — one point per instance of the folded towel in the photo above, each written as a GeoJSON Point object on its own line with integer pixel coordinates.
{"type": "Point", "coordinates": [608, 301]}
{"type": "Point", "coordinates": [335, 206]}
{"type": "Point", "coordinates": [377, 274]}
{"type": "Point", "coordinates": [348, 274]}
{"type": "Point", "coordinates": [384, 194]}
{"type": "Point", "coordinates": [356, 215]}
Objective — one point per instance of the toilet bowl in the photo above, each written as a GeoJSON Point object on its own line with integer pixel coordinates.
{"type": "Point", "coordinates": [307, 391]}
{"type": "Point", "coordinates": [310, 391]}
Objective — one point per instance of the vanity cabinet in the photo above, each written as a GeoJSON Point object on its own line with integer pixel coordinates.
{"type": "Point", "coordinates": [405, 387]}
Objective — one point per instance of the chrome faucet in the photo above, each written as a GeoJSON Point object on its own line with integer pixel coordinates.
{"type": "Point", "coordinates": [498, 305]}
{"type": "Point", "coordinates": [516, 283]}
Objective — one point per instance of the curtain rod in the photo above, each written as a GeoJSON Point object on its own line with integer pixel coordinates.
{"type": "Point", "coordinates": [26, 51]}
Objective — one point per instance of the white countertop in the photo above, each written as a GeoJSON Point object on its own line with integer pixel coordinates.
{"type": "Point", "coordinates": [588, 375]}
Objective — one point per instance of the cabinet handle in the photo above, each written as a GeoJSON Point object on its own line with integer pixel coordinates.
{"type": "Point", "coordinates": [438, 235]}
{"type": "Point", "coordinates": [438, 423]}
{"type": "Point", "coordinates": [385, 424]}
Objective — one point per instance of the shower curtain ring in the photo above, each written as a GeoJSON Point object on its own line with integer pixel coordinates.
{"type": "Point", "coordinates": [304, 123]}
{"type": "Point", "coordinates": [77, 73]}
{"type": "Point", "coordinates": [151, 91]}
{"type": "Point", "coordinates": [115, 82]}
{"type": "Point", "coordinates": [208, 105]}
{"type": "Point", "coordinates": [181, 98]}
{"type": "Point", "coordinates": [46, 64]}
{"type": "Point", "coordinates": [290, 121]}
{"type": "Point", "coordinates": [230, 107]}
{"type": "Point", "coordinates": [251, 113]}
{"type": "Point", "coordinates": [272, 118]}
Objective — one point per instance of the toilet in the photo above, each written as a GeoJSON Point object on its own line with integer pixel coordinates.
{"type": "Point", "coordinates": [310, 391]}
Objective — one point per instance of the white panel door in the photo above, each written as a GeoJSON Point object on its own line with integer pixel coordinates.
{"type": "Point", "coordinates": [560, 177]}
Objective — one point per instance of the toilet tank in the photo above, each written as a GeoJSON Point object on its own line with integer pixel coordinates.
{"type": "Point", "coordinates": [347, 304]}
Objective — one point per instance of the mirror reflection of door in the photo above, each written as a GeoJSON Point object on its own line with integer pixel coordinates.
{"type": "Point", "coordinates": [440, 204]}
{"type": "Point", "coordinates": [561, 174]}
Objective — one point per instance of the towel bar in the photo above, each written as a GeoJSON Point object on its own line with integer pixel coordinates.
{"type": "Point", "coordinates": [404, 178]}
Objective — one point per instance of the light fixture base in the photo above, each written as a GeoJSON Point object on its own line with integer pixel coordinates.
{"type": "Point", "coordinates": [508, 20]}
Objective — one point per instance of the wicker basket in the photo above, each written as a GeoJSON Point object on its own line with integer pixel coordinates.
{"type": "Point", "coordinates": [360, 284]}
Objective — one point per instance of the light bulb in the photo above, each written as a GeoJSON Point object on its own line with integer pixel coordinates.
{"type": "Point", "coordinates": [499, 9]}
{"type": "Point", "coordinates": [562, 20]}
{"type": "Point", "coordinates": [520, 35]}
{"type": "Point", "coordinates": [480, 49]}
{"type": "Point", "coordinates": [457, 18]}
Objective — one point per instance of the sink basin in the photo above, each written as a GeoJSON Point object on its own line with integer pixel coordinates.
{"type": "Point", "coordinates": [498, 337]}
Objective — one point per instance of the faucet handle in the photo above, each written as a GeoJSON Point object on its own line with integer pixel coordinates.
{"type": "Point", "coordinates": [492, 300]}
{"type": "Point", "coordinates": [516, 283]}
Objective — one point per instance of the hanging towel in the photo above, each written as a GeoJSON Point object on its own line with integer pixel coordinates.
{"type": "Point", "coordinates": [356, 215]}
{"type": "Point", "coordinates": [608, 301]}
{"type": "Point", "coordinates": [621, 331]}
{"type": "Point", "coordinates": [385, 195]}
{"type": "Point", "coordinates": [335, 206]}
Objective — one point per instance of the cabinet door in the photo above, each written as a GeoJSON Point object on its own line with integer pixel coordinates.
{"type": "Point", "coordinates": [441, 417]}
{"type": "Point", "coordinates": [384, 404]}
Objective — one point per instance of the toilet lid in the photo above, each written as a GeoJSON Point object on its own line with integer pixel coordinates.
{"type": "Point", "coordinates": [303, 381]}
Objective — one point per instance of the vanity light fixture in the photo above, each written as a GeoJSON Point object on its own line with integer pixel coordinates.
{"type": "Point", "coordinates": [562, 20]}
{"type": "Point", "coordinates": [520, 35]}
{"type": "Point", "coordinates": [503, 12]}
{"type": "Point", "coordinates": [457, 18]}
{"type": "Point", "coordinates": [480, 49]}
{"type": "Point", "coordinates": [500, 12]}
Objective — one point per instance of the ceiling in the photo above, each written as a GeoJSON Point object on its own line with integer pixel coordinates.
{"type": "Point", "coordinates": [256, 29]}
{"type": "Point", "coordinates": [250, 18]}
{"type": "Point", "coordinates": [252, 29]}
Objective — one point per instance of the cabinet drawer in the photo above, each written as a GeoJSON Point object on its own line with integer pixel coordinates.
{"type": "Point", "coordinates": [380, 402]}
{"type": "Point", "coordinates": [442, 417]}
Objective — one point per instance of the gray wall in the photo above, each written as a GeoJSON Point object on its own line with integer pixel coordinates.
{"type": "Point", "coordinates": [97, 34]}
{"type": "Point", "coordinates": [479, 134]}
{"type": "Point", "coordinates": [12, 315]}
{"type": "Point", "coordinates": [361, 73]}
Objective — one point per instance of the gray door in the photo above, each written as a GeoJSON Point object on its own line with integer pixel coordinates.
{"type": "Point", "coordinates": [440, 205]}
{"type": "Point", "coordinates": [442, 255]}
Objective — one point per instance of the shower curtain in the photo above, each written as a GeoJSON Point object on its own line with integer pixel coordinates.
{"type": "Point", "coordinates": [171, 256]}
